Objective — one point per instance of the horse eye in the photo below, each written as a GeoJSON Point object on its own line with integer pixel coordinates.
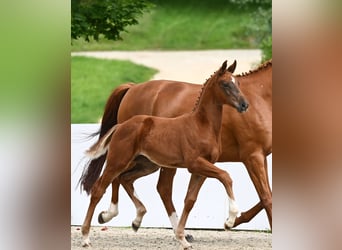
{"type": "Point", "coordinates": [225, 84]}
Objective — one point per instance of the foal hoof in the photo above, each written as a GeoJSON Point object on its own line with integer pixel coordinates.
{"type": "Point", "coordinates": [188, 248]}
{"type": "Point", "coordinates": [229, 223]}
{"type": "Point", "coordinates": [86, 244]}
{"type": "Point", "coordinates": [189, 238]}
{"type": "Point", "coordinates": [135, 227]}
{"type": "Point", "coordinates": [227, 228]}
{"type": "Point", "coordinates": [100, 218]}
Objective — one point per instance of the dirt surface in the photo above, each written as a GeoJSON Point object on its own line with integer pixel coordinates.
{"type": "Point", "coordinates": [190, 66]}
{"type": "Point", "coordinates": [161, 238]}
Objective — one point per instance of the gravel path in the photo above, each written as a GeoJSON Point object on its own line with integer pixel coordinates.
{"type": "Point", "coordinates": [189, 66]}
{"type": "Point", "coordinates": [160, 238]}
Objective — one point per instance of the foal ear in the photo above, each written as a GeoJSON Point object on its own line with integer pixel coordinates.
{"type": "Point", "coordinates": [223, 68]}
{"type": "Point", "coordinates": [232, 67]}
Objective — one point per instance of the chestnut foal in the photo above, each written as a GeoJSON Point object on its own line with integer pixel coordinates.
{"type": "Point", "coordinates": [244, 138]}
{"type": "Point", "coordinates": [189, 141]}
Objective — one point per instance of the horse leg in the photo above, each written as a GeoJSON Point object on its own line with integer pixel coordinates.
{"type": "Point", "coordinates": [195, 183]}
{"type": "Point", "coordinates": [256, 165]}
{"type": "Point", "coordinates": [113, 210]}
{"type": "Point", "coordinates": [127, 179]}
{"type": "Point", "coordinates": [164, 187]}
{"type": "Point", "coordinates": [97, 192]}
{"type": "Point", "coordinates": [203, 167]}
{"type": "Point", "coordinates": [116, 164]}
{"type": "Point", "coordinates": [248, 215]}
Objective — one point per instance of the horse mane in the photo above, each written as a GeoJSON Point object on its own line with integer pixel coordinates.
{"type": "Point", "coordinates": [201, 92]}
{"type": "Point", "coordinates": [260, 67]}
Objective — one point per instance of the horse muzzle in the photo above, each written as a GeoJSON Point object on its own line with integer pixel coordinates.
{"type": "Point", "coordinates": [243, 106]}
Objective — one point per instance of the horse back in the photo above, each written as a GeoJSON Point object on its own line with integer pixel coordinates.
{"type": "Point", "coordinates": [162, 98]}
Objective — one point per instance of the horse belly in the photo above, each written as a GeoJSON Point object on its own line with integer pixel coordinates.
{"type": "Point", "coordinates": [162, 144]}
{"type": "Point", "coordinates": [163, 159]}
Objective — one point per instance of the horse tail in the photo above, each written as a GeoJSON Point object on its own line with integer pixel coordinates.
{"type": "Point", "coordinates": [110, 115]}
{"type": "Point", "coordinates": [109, 119]}
{"type": "Point", "coordinates": [101, 146]}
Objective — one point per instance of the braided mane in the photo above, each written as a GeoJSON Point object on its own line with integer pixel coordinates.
{"type": "Point", "coordinates": [201, 93]}
{"type": "Point", "coordinates": [261, 67]}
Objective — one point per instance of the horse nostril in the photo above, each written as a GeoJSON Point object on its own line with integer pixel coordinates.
{"type": "Point", "coordinates": [244, 105]}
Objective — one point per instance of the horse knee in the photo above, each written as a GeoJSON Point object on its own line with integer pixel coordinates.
{"type": "Point", "coordinates": [266, 201]}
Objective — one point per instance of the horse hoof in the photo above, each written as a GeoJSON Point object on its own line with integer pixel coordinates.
{"type": "Point", "coordinates": [86, 244]}
{"type": "Point", "coordinates": [189, 238]}
{"type": "Point", "coordinates": [100, 218]}
{"type": "Point", "coordinates": [229, 224]}
{"type": "Point", "coordinates": [135, 227]}
{"type": "Point", "coordinates": [188, 248]}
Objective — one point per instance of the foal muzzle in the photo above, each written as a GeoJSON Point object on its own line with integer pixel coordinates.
{"type": "Point", "coordinates": [243, 106]}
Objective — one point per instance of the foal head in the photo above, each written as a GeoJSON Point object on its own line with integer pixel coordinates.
{"type": "Point", "coordinates": [227, 88]}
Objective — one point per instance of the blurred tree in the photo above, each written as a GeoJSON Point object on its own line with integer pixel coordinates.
{"type": "Point", "coordinates": [90, 18]}
{"type": "Point", "coordinates": [260, 26]}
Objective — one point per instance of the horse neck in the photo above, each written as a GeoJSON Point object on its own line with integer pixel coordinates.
{"type": "Point", "coordinates": [258, 82]}
{"type": "Point", "coordinates": [208, 110]}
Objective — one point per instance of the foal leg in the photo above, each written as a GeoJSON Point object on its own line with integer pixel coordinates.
{"type": "Point", "coordinates": [127, 179]}
{"type": "Point", "coordinates": [203, 167]}
{"type": "Point", "coordinates": [97, 192]}
{"type": "Point", "coordinates": [195, 184]}
{"type": "Point", "coordinates": [113, 209]}
{"type": "Point", "coordinates": [164, 187]}
{"type": "Point", "coordinates": [116, 164]}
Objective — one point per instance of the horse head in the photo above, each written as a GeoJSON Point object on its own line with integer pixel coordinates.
{"type": "Point", "coordinates": [229, 87]}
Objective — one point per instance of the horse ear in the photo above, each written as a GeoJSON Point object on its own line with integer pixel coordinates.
{"type": "Point", "coordinates": [223, 67]}
{"type": "Point", "coordinates": [232, 67]}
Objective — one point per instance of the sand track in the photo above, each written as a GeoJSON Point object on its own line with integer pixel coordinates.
{"type": "Point", "coordinates": [161, 238]}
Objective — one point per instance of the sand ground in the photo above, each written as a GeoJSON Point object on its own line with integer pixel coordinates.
{"type": "Point", "coordinates": [162, 238]}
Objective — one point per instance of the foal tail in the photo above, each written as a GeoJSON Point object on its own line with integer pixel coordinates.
{"type": "Point", "coordinates": [93, 169]}
{"type": "Point", "coordinates": [101, 146]}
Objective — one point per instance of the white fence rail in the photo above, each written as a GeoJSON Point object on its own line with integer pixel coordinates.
{"type": "Point", "coordinates": [210, 210]}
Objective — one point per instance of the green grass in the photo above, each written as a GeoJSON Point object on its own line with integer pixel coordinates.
{"type": "Point", "coordinates": [190, 25]}
{"type": "Point", "coordinates": [94, 79]}
{"type": "Point", "coordinates": [171, 25]}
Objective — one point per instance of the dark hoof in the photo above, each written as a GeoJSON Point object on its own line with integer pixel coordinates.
{"type": "Point", "coordinates": [100, 219]}
{"type": "Point", "coordinates": [86, 245]}
{"type": "Point", "coordinates": [135, 227]}
{"type": "Point", "coordinates": [189, 238]}
{"type": "Point", "coordinates": [226, 227]}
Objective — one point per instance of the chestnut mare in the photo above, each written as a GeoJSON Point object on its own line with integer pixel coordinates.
{"type": "Point", "coordinates": [189, 141]}
{"type": "Point", "coordinates": [246, 138]}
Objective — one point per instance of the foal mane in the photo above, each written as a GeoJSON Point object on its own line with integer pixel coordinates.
{"type": "Point", "coordinates": [202, 90]}
{"type": "Point", "coordinates": [261, 67]}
